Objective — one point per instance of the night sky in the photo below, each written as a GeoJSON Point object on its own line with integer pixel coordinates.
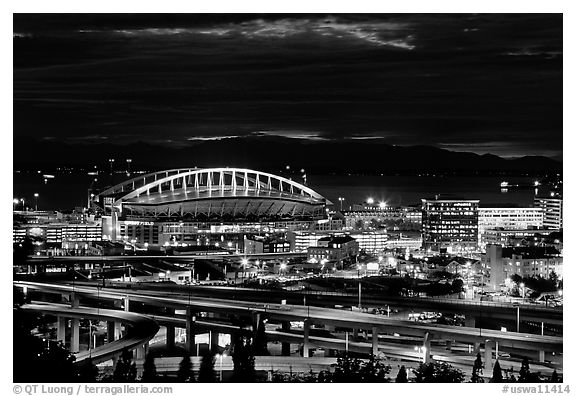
{"type": "Point", "coordinates": [478, 83]}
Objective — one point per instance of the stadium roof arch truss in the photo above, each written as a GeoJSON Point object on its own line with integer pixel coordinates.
{"type": "Point", "coordinates": [216, 193]}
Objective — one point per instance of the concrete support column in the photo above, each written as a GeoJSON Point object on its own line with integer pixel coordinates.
{"type": "Point", "coordinates": [232, 340]}
{"type": "Point", "coordinates": [190, 333]}
{"type": "Point", "coordinates": [427, 350]}
{"type": "Point", "coordinates": [214, 336]}
{"type": "Point", "coordinates": [306, 345]}
{"type": "Point", "coordinates": [355, 334]}
{"type": "Point", "coordinates": [374, 341]}
{"type": "Point", "coordinates": [448, 345]}
{"type": "Point", "coordinates": [114, 330]}
{"type": "Point", "coordinates": [476, 348]}
{"type": "Point", "coordinates": [541, 356]}
{"type": "Point", "coordinates": [110, 330]}
{"type": "Point", "coordinates": [488, 345]}
{"type": "Point", "coordinates": [255, 322]}
{"type": "Point", "coordinates": [61, 329]}
{"type": "Point", "coordinates": [141, 352]}
{"type": "Point", "coordinates": [75, 335]}
{"type": "Point", "coordinates": [170, 337]}
{"type": "Point", "coordinates": [286, 345]}
{"type": "Point", "coordinates": [114, 362]}
{"type": "Point", "coordinates": [73, 299]}
{"type": "Point", "coordinates": [126, 302]}
{"type": "Point", "coordinates": [469, 321]}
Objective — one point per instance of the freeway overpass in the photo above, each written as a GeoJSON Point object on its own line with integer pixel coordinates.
{"type": "Point", "coordinates": [317, 315]}
{"type": "Point", "coordinates": [179, 257]}
{"type": "Point", "coordinates": [471, 308]}
{"type": "Point", "coordinates": [141, 328]}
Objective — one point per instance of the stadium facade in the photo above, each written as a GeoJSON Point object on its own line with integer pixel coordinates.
{"type": "Point", "coordinates": [201, 207]}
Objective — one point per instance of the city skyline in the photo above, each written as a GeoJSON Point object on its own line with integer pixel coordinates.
{"type": "Point", "coordinates": [362, 198]}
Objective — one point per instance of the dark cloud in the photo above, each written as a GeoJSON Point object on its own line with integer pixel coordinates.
{"type": "Point", "coordinates": [484, 83]}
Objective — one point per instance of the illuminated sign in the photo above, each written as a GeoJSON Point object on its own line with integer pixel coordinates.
{"type": "Point", "coordinates": [132, 222]}
{"type": "Point", "coordinates": [372, 266]}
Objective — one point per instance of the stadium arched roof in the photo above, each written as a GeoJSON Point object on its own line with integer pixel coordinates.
{"type": "Point", "coordinates": [232, 191]}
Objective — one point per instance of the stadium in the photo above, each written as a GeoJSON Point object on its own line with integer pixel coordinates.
{"type": "Point", "coordinates": [183, 202]}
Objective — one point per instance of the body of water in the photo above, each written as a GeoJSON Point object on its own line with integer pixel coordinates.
{"type": "Point", "coordinates": [67, 191]}
{"type": "Point", "coordinates": [409, 190]}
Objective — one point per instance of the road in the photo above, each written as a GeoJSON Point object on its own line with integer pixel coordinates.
{"type": "Point", "coordinates": [141, 328]}
{"type": "Point", "coordinates": [485, 309]}
{"type": "Point", "coordinates": [317, 315]}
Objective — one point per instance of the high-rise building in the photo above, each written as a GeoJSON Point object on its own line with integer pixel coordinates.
{"type": "Point", "coordinates": [450, 225]}
{"type": "Point", "coordinates": [551, 211]}
{"type": "Point", "coordinates": [510, 218]}
{"type": "Point", "coordinates": [507, 218]}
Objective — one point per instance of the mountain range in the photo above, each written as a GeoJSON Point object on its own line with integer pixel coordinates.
{"type": "Point", "coordinates": [272, 153]}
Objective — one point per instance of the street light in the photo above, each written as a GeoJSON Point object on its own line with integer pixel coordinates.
{"type": "Point", "coordinates": [370, 201]}
{"type": "Point", "coordinates": [15, 202]}
{"type": "Point", "coordinates": [244, 263]}
{"type": "Point", "coordinates": [36, 195]}
{"type": "Point", "coordinates": [341, 199]}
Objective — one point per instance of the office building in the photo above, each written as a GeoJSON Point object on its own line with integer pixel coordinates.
{"type": "Point", "coordinates": [552, 208]}
{"type": "Point", "coordinates": [450, 225]}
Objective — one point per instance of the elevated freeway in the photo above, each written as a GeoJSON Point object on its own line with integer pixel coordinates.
{"type": "Point", "coordinates": [141, 328]}
{"type": "Point", "coordinates": [179, 257]}
{"type": "Point", "coordinates": [485, 309]}
{"type": "Point", "coordinates": [311, 314]}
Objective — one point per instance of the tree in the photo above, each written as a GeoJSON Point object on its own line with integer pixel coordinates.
{"type": "Point", "coordinates": [496, 373]}
{"type": "Point", "coordinates": [125, 370]}
{"type": "Point", "coordinates": [438, 372]}
{"type": "Point", "coordinates": [516, 278]}
{"type": "Point", "coordinates": [21, 251]}
{"type": "Point", "coordinates": [554, 377]}
{"type": "Point", "coordinates": [260, 340]}
{"type": "Point", "coordinates": [185, 372]}
{"type": "Point", "coordinates": [243, 358]}
{"type": "Point", "coordinates": [374, 370]}
{"type": "Point", "coordinates": [278, 376]}
{"type": "Point", "coordinates": [457, 286]}
{"type": "Point", "coordinates": [525, 371]}
{"type": "Point", "coordinates": [37, 359]}
{"type": "Point", "coordinates": [206, 372]}
{"type": "Point", "coordinates": [477, 370]}
{"type": "Point", "coordinates": [402, 375]}
{"type": "Point", "coordinates": [87, 371]}
{"type": "Point", "coordinates": [553, 278]}
{"type": "Point", "coordinates": [348, 369]}
{"type": "Point", "coordinates": [149, 374]}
